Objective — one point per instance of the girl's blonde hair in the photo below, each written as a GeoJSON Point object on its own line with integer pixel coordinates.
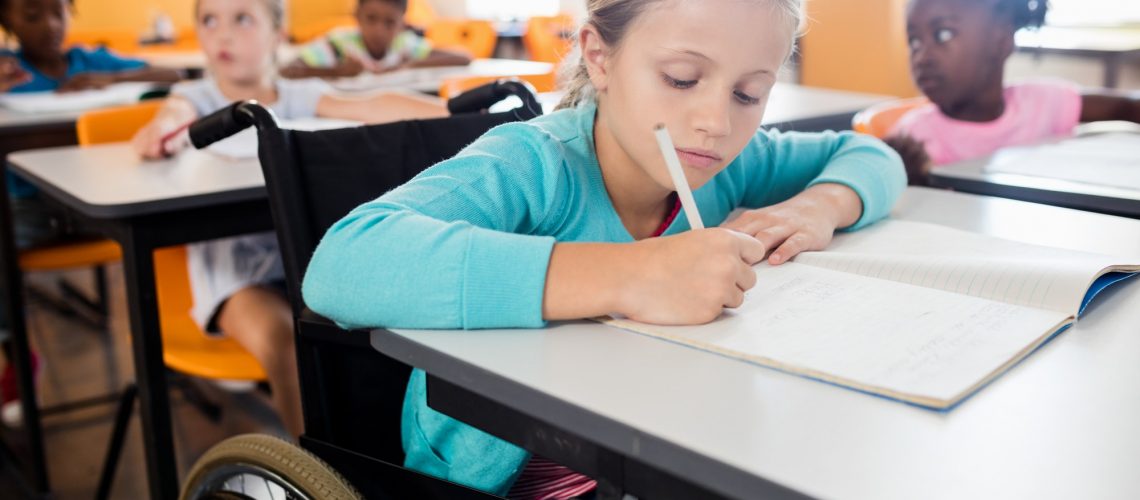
{"type": "Point", "coordinates": [612, 18]}
{"type": "Point", "coordinates": [276, 12]}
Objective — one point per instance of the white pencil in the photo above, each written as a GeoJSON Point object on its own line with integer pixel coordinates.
{"type": "Point", "coordinates": [673, 163]}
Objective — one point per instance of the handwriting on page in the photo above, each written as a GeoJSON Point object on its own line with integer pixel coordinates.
{"type": "Point", "coordinates": [874, 334]}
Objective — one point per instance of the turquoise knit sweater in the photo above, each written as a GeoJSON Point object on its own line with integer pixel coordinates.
{"type": "Point", "coordinates": [466, 244]}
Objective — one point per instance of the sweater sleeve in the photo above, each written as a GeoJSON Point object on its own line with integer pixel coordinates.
{"type": "Point", "coordinates": [452, 248]}
{"type": "Point", "coordinates": [777, 166]}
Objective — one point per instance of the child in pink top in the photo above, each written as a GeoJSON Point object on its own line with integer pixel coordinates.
{"type": "Point", "coordinates": [958, 50]}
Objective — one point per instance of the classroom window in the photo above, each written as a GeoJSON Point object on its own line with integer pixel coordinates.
{"type": "Point", "coordinates": [506, 10]}
{"type": "Point", "coordinates": [1094, 13]}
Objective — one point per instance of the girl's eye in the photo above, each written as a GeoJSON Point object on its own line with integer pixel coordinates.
{"type": "Point", "coordinates": [745, 98]}
{"type": "Point", "coordinates": [944, 35]}
{"type": "Point", "coordinates": [678, 84]}
{"type": "Point", "coordinates": [914, 43]}
{"type": "Point", "coordinates": [244, 20]}
{"type": "Point", "coordinates": [209, 20]}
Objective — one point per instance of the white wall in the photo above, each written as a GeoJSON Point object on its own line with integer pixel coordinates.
{"type": "Point", "coordinates": [458, 8]}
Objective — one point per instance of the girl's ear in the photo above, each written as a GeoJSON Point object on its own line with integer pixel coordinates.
{"type": "Point", "coordinates": [596, 56]}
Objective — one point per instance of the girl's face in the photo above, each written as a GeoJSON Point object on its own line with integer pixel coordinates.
{"type": "Point", "coordinates": [39, 25]}
{"type": "Point", "coordinates": [704, 69]}
{"type": "Point", "coordinates": [239, 39]}
{"type": "Point", "coordinates": [380, 21]}
{"type": "Point", "coordinates": [957, 49]}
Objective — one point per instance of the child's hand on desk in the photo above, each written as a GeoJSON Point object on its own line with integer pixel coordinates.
{"type": "Point", "coordinates": [691, 277]}
{"type": "Point", "coordinates": [87, 81]}
{"type": "Point", "coordinates": [914, 158]}
{"type": "Point", "coordinates": [12, 74]}
{"type": "Point", "coordinates": [805, 222]}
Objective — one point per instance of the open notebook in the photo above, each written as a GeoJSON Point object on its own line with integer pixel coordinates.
{"type": "Point", "coordinates": [916, 312]}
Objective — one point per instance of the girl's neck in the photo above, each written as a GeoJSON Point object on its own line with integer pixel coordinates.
{"type": "Point", "coordinates": [53, 65]}
{"type": "Point", "coordinates": [263, 90]}
{"type": "Point", "coordinates": [639, 201]}
{"type": "Point", "coordinates": [986, 105]}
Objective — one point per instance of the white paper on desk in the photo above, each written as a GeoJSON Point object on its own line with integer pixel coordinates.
{"type": "Point", "coordinates": [405, 78]}
{"type": "Point", "coordinates": [244, 144]}
{"type": "Point", "coordinates": [1106, 160]}
{"type": "Point", "coordinates": [50, 101]}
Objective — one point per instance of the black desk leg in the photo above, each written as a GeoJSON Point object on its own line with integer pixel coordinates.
{"type": "Point", "coordinates": [13, 305]}
{"type": "Point", "coordinates": [150, 372]}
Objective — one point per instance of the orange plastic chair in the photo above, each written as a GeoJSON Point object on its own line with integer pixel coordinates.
{"type": "Point", "coordinates": [420, 14]}
{"type": "Point", "coordinates": [311, 31]}
{"type": "Point", "coordinates": [452, 87]}
{"type": "Point", "coordinates": [117, 40]}
{"type": "Point", "coordinates": [186, 348]}
{"type": "Point", "coordinates": [878, 120]}
{"type": "Point", "coordinates": [549, 38]}
{"type": "Point", "coordinates": [478, 38]}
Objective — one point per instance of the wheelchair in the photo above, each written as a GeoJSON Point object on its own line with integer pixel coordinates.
{"type": "Point", "coordinates": [351, 394]}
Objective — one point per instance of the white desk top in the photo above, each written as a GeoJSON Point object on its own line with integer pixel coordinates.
{"type": "Point", "coordinates": [788, 103]}
{"type": "Point", "coordinates": [1062, 424]}
{"type": "Point", "coordinates": [429, 79]}
{"type": "Point", "coordinates": [1070, 184]}
{"type": "Point", "coordinates": [111, 179]}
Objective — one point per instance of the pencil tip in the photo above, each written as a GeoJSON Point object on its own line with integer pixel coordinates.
{"type": "Point", "coordinates": [659, 126]}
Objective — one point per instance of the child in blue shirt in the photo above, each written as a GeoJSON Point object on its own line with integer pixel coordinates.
{"type": "Point", "coordinates": [42, 63]}
{"type": "Point", "coordinates": [552, 219]}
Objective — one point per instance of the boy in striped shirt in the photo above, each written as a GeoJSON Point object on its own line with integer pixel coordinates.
{"type": "Point", "coordinates": [380, 43]}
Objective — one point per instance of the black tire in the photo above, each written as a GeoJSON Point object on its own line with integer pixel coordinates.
{"type": "Point", "coordinates": [269, 460]}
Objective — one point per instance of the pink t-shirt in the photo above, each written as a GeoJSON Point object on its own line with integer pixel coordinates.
{"type": "Point", "coordinates": [1034, 111]}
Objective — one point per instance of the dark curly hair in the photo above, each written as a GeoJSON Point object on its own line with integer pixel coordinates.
{"type": "Point", "coordinates": [1022, 13]}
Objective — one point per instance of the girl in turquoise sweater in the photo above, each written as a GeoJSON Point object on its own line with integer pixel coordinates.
{"type": "Point", "coordinates": [554, 219]}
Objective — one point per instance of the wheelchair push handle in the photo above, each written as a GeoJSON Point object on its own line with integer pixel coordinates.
{"type": "Point", "coordinates": [482, 97]}
{"type": "Point", "coordinates": [228, 121]}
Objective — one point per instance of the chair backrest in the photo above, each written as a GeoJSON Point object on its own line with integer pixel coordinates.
{"type": "Point", "coordinates": [114, 124]}
{"type": "Point", "coordinates": [304, 33]}
{"type": "Point", "coordinates": [315, 178]}
{"type": "Point", "coordinates": [878, 120]}
{"type": "Point", "coordinates": [549, 38]}
{"type": "Point", "coordinates": [420, 14]}
{"type": "Point", "coordinates": [452, 87]}
{"type": "Point", "coordinates": [476, 37]}
{"type": "Point", "coordinates": [185, 348]}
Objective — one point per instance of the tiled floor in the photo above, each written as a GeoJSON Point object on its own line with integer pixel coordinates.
{"type": "Point", "coordinates": [81, 362]}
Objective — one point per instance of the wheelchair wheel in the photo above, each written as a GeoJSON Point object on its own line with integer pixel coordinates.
{"type": "Point", "coordinates": [258, 466]}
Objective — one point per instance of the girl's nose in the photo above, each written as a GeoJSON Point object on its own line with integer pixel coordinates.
{"type": "Point", "coordinates": [711, 114]}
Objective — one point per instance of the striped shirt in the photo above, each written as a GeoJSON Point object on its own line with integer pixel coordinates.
{"type": "Point", "coordinates": [543, 479]}
{"type": "Point", "coordinates": [341, 44]}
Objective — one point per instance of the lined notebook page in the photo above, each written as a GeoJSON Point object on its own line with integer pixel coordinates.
{"type": "Point", "coordinates": [903, 341]}
{"type": "Point", "coordinates": [966, 263]}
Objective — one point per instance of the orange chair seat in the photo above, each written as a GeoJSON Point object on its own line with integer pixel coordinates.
{"type": "Point", "coordinates": [185, 347]}
{"type": "Point", "coordinates": [878, 120]}
{"type": "Point", "coordinates": [69, 255]}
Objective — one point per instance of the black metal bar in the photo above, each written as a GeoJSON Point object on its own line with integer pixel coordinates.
{"type": "Point", "coordinates": [81, 404]}
{"type": "Point", "coordinates": [118, 437]}
{"type": "Point", "coordinates": [150, 371]}
{"type": "Point", "coordinates": [17, 326]}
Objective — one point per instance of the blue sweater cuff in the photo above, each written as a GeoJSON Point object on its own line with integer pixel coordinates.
{"type": "Point", "coordinates": [877, 192]}
{"type": "Point", "coordinates": [504, 279]}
